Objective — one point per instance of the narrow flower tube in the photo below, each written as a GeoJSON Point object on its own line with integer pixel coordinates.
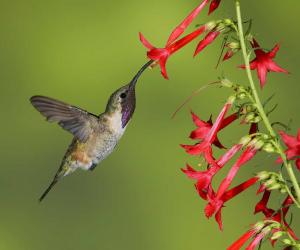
{"type": "Point", "coordinates": [246, 156]}
{"type": "Point", "coordinates": [204, 178]}
{"type": "Point", "coordinates": [204, 127]}
{"type": "Point", "coordinates": [216, 203]}
{"type": "Point", "coordinates": [185, 23]}
{"type": "Point", "coordinates": [209, 38]}
{"type": "Point", "coordinates": [213, 6]}
{"type": "Point", "coordinates": [237, 245]}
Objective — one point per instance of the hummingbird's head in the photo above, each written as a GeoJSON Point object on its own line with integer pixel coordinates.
{"type": "Point", "coordinates": [123, 102]}
{"type": "Point", "coordinates": [123, 99]}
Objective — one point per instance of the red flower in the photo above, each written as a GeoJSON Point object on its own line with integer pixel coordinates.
{"type": "Point", "coordinates": [210, 37]}
{"type": "Point", "coordinates": [259, 235]}
{"type": "Point", "coordinates": [263, 62]}
{"type": "Point", "coordinates": [213, 6]}
{"type": "Point", "coordinates": [216, 202]}
{"type": "Point", "coordinates": [162, 54]}
{"type": "Point", "coordinates": [204, 178]}
{"type": "Point", "coordinates": [185, 23]}
{"type": "Point", "coordinates": [261, 206]}
{"type": "Point", "coordinates": [237, 245]}
{"type": "Point", "coordinates": [204, 127]}
{"type": "Point", "coordinates": [204, 147]}
{"type": "Point", "coordinates": [246, 156]}
{"type": "Point", "coordinates": [228, 54]}
{"type": "Point", "coordinates": [293, 144]}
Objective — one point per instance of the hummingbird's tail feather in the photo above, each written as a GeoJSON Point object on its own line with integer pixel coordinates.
{"type": "Point", "coordinates": [55, 180]}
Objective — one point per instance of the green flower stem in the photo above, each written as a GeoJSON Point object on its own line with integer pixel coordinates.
{"type": "Point", "coordinates": [261, 110]}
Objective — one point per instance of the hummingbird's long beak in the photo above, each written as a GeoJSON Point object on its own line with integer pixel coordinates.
{"type": "Point", "coordinates": [139, 73]}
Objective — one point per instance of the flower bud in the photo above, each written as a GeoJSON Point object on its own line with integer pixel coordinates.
{"type": "Point", "coordinates": [249, 117]}
{"type": "Point", "coordinates": [259, 144]}
{"type": "Point", "coordinates": [226, 83]}
{"type": "Point", "coordinates": [258, 226]}
{"type": "Point", "coordinates": [269, 148]}
{"type": "Point", "coordinates": [263, 175]}
{"type": "Point", "coordinates": [227, 21]}
{"type": "Point", "coordinates": [266, 230]}
{"type": "Point", "coordinates": [283, 190]}
{"type": "Point", "coordinates": [245, 140]}
{"type": "Point", "coordinates": [270, 182]}
{"type": "Point", "coordinates": [241, 95]}
{"type": "Point", "coordinates": [210, 25]}
{"type": "Point", "coordinates": [257, 119]}
{"type": "Point", "coordinates": [249, 108]}
{"type": "Point", "coordinates": [287, 241]}
{"type": "Point", "coordinates": [277, 235]}
{"type": "Point", "coordinates": [231, 99]}
{"type": "Point", "coordinates": [274, 186]}
{"type": "Point", "coordinates": [233, 45]}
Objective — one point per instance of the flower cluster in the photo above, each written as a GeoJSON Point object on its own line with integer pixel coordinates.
{"type": "Point", "coordinates": [243, 105]}
{"type": "Point", "coordinates": [173, 44]}
{"type": "Point", "coordinates": [273, 227]}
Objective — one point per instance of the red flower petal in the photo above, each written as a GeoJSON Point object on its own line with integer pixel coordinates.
{"type": "Point", "coordinates": [228, 120]}
{"type": "Point", "coordinates": [229, 154]}
{"type": "Point", "coordinates": [185, 23]}
{"type": "Point", "coordinates": [237, 245]}
{"type": "Point", "coordinates": [210, 37]}
{"type": "Point", "coordinates": [145, 42]}
{"type": "Point", "coordinates": [293, 144]}
{"type": "Point", "coordinates": [254, 243]}
{"type": "Point", "coordinates": [185, 40]}
{"type": "Point", "coordinates": [228, 54]}
{"type": "Point", "coordinates": [274, 51]}
{"type": "Point", "coordinates": [246, 156]}
{"type": "Point", "coordinates": [213, 6]}
{"type": "Point", "coordinates": [262, 74]}
{"type": "Point", "coordinates": [239, 188]}
{"type": "Point", "coordinates": [263, 62]}
{"type": "Point", "coordinates": [261, 206]}
{"type": "Point", "coordinates": [198, 122]}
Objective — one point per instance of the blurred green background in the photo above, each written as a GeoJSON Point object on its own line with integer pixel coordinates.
{"type": "Point", "coordinates": [80, 52]}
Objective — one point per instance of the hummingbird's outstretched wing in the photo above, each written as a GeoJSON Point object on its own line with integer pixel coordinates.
{"type": "Point", "coordinates": [73, 119]}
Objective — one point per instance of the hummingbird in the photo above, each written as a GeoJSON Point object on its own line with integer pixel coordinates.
{"type": "Point", "coordinates": [94, 136]}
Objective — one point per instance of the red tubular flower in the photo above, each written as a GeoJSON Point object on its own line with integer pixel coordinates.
{"type": "Point", "coordinates": [216, 203]}
{"type": "Point", "coordinates": [246, 156]}
{"type": "Point", "coordinates": [162, 54]}
{"type": "Point", "coordinates": [256, 240]}
{"type": "Point", "coordinates": [261, 206]}
{"type": "Point", "coordinates": [204, 147]}
{"type": "Point", "coordinates": [228, 54]}
{"type": "Point", "coordinates": [204, 127]}
{"type": "Point", "coordinates": [263, 62]}
{"type": "Point", "coordinates": [204, 178]}
{"type": "Point", "coordinates": [185, 23]}
{"type": "Point", "coordinates": [209, 38]}
{"type": "Point", "coordinates": [213, 6]}
{"type": "Point", "coordinates": [279, 216]}
{"type": "Point", "coordinates": [293, 144]}
{"type": "Point", "coordinates": [237, 245]}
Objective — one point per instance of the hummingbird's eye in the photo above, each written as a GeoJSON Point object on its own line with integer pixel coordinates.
{"type": "Point", "coordinates": [123, 95]}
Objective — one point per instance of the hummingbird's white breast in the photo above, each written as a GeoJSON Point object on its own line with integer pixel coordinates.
{"type": "Point", "coordinates": [115, 124]}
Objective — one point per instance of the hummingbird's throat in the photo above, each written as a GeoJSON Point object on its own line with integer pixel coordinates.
{"type": "Point", "coordinates": [116, 124]}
